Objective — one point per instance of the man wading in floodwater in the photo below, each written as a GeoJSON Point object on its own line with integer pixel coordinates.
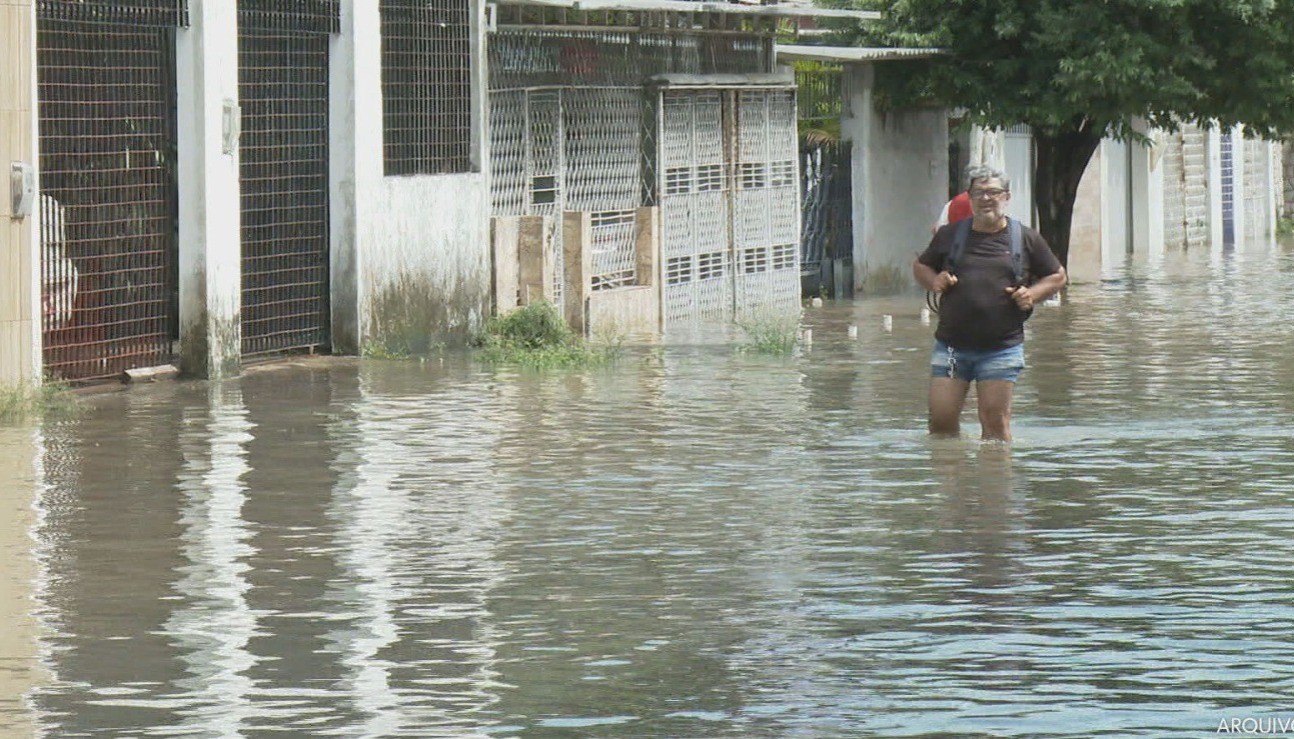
{"type": "Point", "coordinates": [988, 271]}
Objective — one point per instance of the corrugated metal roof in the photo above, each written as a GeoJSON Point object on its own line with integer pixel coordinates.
{"type": "Point", "coordinates": [796, 52]}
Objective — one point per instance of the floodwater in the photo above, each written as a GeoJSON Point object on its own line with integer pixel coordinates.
{"type": "Point", "coordinates": [695, 542]}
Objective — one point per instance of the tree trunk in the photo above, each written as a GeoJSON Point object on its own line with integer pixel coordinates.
{"type": "Point", "coordinates": [1061, 159]}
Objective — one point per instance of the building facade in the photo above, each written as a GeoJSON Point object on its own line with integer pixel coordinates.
{"type": "Point", "coordinates": [214, 182]}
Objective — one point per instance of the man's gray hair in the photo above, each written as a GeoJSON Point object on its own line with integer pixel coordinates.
{"type": "Point", "coordinates": [984, 172]}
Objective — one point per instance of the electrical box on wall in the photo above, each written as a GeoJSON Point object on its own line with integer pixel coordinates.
{"type": "Point", "coordinates": [231, 125]}
{"type": "Point", "coordinates": [22, 186]}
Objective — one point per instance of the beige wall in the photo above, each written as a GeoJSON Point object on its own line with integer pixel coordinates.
{"type": "Point", "coordinates": [18, 283]}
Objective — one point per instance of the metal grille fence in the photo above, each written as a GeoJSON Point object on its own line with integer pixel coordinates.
{"type": "Point", "coordinates": [555, 150]}
{"type": "Point", "coordinates": [154, 13]}
{"type": "Point", "coordinates": [615, 58]}
{"type": "Point", "coordinates": [606, 116]}
{"type": "Point", "coordinates": [766, 206]}
{"type": "Point", "coordinates": [426, 86]}
{"type": "Point", "coordinates": [694, 208]}
{"type": "Point", "coordinates": [818, 96]}
{"type": "Point", "coordinates": [826, 233]}
{"type": "Point", "coordinates": [1228, 189]}
{"type": "Point", "coordinates": [308, 16]}
{"type": "Point", "coordinates": [108, 235]}
{"type": "Point", "coordinates": [603, 152]}
{"type": "Point", "coordinates": [283, 87]}
{"type": "Point", "coordinates": [730, 216]}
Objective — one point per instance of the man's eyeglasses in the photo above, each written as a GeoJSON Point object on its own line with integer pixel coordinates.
{"type": "Point", "coordinates": [994, 194]}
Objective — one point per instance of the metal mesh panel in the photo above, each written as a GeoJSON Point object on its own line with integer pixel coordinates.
{"type": "Point", "coordinates": [729, 229]}
{"type": "Point", "coordinates": [766, 206]}
{"type": "Point", "coordinates": [426, 86]}
{"type": "Point", "coordinates": [621, 58]}
{"type": "Point", "coordinates": [694, 209]}
{"type": "Point", "coordinates": [546, 185]}
{"type": "Point", "coordinates": [603, 150]}
{"type": "Point", "coordinates": [157, 13]}
{"type": "Point", "coordinates": [557, 150]}
{"type": "Point", "coordinates": [313, 16]}
{"type": "Point", "coordinates": [509, 158]}
{"type": "Point", "coordinates": [608, 166]}
{"type": "Point", "coordinates": [1228, 189]}
{"type": "Point", "coordinates": [818, 92]}
{"type": "Point", "coordinates": [108, 248]}
{"type": "Point", "coordinates": [283, 86]}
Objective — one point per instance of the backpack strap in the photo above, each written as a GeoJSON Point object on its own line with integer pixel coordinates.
{"type": "Point", "coordinates": [959, 245]}
{"type": "Point", "coordinates": [1015, 233]}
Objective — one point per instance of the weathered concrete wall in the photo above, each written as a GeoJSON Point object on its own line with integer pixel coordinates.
{"type": "Point", "coordinates": [208, 185]}
{"type": "Point", "coordinates": [1132, 174]}
{"type": "Point", "coordinates": [411, 255]}
{"type": "Point", "coordinates": [900, 176]}
{"type": "Point", "coordinates": [425, 262]}
{"type": "Point", "coordinates": [1085, 230]}
{"type": "Point", "coordinates": [19, 267]}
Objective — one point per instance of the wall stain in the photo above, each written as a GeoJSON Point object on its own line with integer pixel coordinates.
{"type": "Point", "coordinates": [411, 315]}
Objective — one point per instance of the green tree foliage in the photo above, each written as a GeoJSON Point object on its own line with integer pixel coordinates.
{"type": "Point", "coordinates": [1079, 70]}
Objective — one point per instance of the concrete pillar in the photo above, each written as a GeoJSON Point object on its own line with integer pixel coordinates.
{"type": "Point", "coordinates": [20, 353]}
{"type": "Point", "coordinates": [577, 242]}
{"type": "Point", "coordinates": [1147, 196]}
{"type": "Point", "coordinates": [504, 233]}
{"type": "Point", "coordinates": [536, 259]}
{"type": "Point", "coordinates": [355, 169]}
{"type": "Point", "coordinates": [210, 240]}
{"type": "Point", "coordinates": [646, 246]}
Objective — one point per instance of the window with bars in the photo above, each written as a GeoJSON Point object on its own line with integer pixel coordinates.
{"type": "Point", "coordinates": [426, 86]}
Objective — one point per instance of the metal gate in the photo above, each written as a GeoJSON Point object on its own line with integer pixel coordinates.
{"type": "Point", "coordinates": [106, 76]}
{"type": "Point", "coordinates": [730, 204]}
{"type": "Point", "coordinates": [528, 164]}
{"type": "Point", "coordinates": [826, 221]}
{"type": "Point", "coordinates": [283, 91]}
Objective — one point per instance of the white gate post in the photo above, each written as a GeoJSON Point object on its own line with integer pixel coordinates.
{"type": "Point", "coordinates": [210, 265]}
{"type": "Point", "coordinates": [20, 320]}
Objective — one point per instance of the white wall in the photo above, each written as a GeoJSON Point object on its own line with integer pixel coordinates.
{"type": "Point", "coordinates": [900, 182]}
{"type": "Point", "coordinates": [410, 264]}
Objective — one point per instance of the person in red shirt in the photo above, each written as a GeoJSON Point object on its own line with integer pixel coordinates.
{"type": "Point", "coordinates": [959, 208]}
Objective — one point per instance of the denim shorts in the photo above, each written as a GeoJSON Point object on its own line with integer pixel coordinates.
{"type": "Point", "coordinates": [971, 366]}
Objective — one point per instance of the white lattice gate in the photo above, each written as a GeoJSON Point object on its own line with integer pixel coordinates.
{"type": "Point", "coordinates": [730, 204]}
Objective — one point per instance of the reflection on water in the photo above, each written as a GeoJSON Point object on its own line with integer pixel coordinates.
{"type": "Point", "coordinates": [19, 651]}
{"type": "Point", "coordinates": [693, 543]}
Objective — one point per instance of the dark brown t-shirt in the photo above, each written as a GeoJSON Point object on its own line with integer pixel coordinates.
{"type": "Point", "coordinates": [977, 313]}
